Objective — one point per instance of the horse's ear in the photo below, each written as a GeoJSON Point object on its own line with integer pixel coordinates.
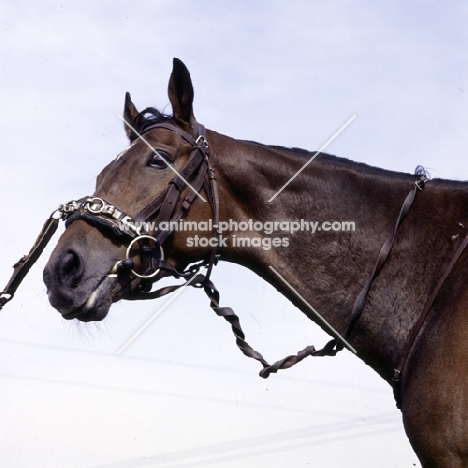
{"type": "Point", "coordinates": [130, 116]}
{"type": "Point", "coordinates": [181, 95]}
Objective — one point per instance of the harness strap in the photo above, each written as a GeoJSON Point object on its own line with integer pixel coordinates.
{"type": "Point", "coordinates": [168, 211]}
{"type": "Point", "coordinates": [22, 267]}
{"type": "Point", "coordinates": [194, 172]}
{"type": "Point", "coordinates": [381, 259]}
{"type": "Point", "coordinates": [418, 325]}
{"type": "Point", "coordinates": [185, 135]}
{"type": "Point", "coordinates": [152, 208]}
{"type": "Point", "coordinates": [211, 190]}
{"type": "Point", "coordinates": [229, 315]}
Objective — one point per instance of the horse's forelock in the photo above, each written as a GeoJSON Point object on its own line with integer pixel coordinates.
{"type": "Point", "coordinates": [149, 116]}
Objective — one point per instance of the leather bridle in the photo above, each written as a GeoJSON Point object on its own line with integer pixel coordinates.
{"type": "Point", "coordinates": [197, 174]}
{"type": "Point", "coordinates": [168, 207]}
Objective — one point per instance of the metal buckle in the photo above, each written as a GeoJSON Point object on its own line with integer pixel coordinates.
{"type": "Point", "coordinates": [69, 207]}
{"type": "Point", "coordinates": [129, 248]}
{"type": "Point", "coordinates": [5, 297]}
{"type": "Point", "coordinates": [203, 140]}
{"type": "Point", "coordinates": [421, 182]}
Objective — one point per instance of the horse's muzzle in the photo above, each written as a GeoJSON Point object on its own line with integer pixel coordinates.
{"type": "Point", "coordinates": [78, 285]}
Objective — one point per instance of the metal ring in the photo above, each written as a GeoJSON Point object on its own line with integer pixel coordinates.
{"type": "Point", "coordinates": [95, 200]}
{"type": "Point", "coordinates": [127, 256]}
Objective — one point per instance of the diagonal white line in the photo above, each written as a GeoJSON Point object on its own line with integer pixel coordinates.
{"type": "Point", "coordinates": [337, 334]}
{"type": "Point", "coordinates": [142, 138]}
{"type": "Point", "coordinates": [156, 314]}
{"type": "Point", "coordinates": [312, 158]}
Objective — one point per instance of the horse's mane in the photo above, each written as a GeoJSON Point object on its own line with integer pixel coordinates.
{"type": "Point", "coordinates": [365, 168]}
{"type": "Point", "coordinates": [335, 160]}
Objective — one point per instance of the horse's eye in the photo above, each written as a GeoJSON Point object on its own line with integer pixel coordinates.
{"type": "Point", "coordinates": [159, 160]}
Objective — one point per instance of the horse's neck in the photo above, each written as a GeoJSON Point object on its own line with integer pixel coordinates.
{"type": "Point", "coordinates": [329, 268]}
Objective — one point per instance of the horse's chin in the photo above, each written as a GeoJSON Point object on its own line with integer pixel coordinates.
{"type": "Point", "coordinates": [95, 307]}
{"type": "Point", "coordinates": [88, 313]}
{"type": "Point", "coordinates": [83, 315]}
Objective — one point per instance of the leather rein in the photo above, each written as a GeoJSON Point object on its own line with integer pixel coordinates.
{"type": "Point", "coordinates": [197, 174]}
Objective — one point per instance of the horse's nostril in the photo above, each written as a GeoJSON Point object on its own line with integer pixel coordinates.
{"type": "Point", "coordinates": [70, 268]}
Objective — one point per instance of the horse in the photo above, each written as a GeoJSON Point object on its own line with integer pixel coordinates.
{"type": "Point", "coordinates": [177, 174]}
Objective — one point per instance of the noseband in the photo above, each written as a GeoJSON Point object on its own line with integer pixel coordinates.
{"type": "Point", "coordinates": [167, 207]}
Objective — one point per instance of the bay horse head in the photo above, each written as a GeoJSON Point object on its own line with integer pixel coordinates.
{"type": "Point", "coordinates": [107, 251]}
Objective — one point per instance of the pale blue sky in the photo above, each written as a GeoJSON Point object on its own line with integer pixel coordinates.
{"type": "Point", "coordinates": [288, 73]}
